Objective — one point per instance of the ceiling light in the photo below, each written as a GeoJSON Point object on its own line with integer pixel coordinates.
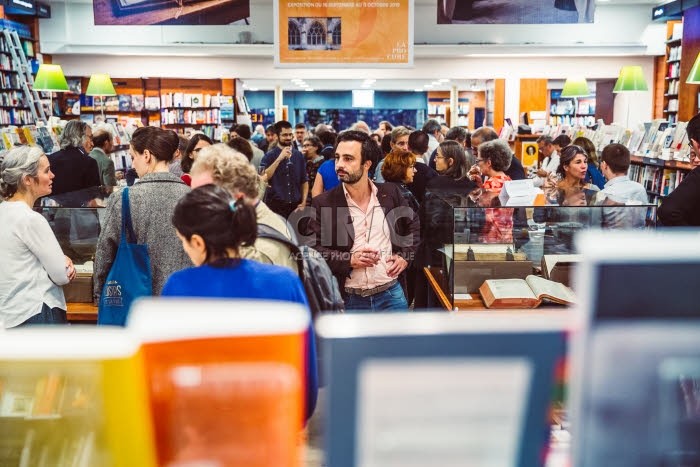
{"type": "Point", "coordinates": [419, 90]}
{"type": "Point", "coordinates": [252, 89]}
{"type": "Point", "coordinates": [428, 86]}
{"type": "Point", "coordinates": [297, 80]}
{"type": "Point", "coordinates": [308, 89]}
{"type": "Point", "coordinates": [444, 80]}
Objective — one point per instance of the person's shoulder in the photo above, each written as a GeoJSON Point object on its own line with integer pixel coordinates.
{"type": "Point", "coordinates": [272, 152]}
{"type": "Point", "coordinates": [326, 198]}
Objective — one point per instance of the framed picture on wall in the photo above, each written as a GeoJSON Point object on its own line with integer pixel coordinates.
{"type": "Point", "coordinates": [528, 155]}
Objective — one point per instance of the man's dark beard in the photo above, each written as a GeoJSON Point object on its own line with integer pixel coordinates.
{"type": "Point", "coordinates": [351, 177]}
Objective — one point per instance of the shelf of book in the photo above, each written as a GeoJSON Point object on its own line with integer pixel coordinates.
{"type": "Point", "coordinates": [674, 30]}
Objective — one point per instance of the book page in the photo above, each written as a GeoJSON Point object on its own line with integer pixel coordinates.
{"type": "Point", "coordinates": [542, 286]}
{"type": "Point", "coordinates": [510, 288]}
{"type": "Point", "coordinates": [551, 260]}
{"type": "Point", "coordinates": [441, 411]}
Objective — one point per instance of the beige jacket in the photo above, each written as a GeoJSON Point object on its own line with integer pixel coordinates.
{"type": "Point", "coordinates": [270, 251]}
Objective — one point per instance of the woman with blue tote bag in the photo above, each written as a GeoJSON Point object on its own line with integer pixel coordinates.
{"type": "Point", "coordinates": [152, 202]}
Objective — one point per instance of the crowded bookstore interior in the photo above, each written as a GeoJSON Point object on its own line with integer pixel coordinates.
{"type": "Point", "coordinates": [349, 233]}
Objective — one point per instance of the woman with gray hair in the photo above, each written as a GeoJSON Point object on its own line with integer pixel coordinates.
{"type": "Point", "coordinates": [493, 160]}
{"type": "Point", "coordinates": [73, 167]}
{"type": "Point", "coordinates": [33, 265]}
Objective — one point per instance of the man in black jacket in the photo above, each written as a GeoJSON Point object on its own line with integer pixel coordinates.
{"type": "Point", "coordinates": [367, 233]}
{"type": "Point", "coordinates": [73, 167]}
{"type": "Point", "coordinates": [682, 206]}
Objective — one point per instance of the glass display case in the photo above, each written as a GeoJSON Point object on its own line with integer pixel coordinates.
{"type": "Point", "coordinates": [467, 240]}
{"type": "Point", "coordinates": [76, 220]}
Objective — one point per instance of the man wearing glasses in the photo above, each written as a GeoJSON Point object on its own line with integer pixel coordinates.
{"type": "Point", "coordinates": [285, 168]}
{"type": "Point", "coordinates": [682, 206]}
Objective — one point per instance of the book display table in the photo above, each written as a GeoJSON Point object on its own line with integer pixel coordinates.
{"type": "Point", "coordinates": [469, 239]}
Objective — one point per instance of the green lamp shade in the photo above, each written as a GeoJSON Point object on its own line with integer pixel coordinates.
{"type": "Point", "coordinates": [631, 79]}
{"type": "Point", "coordinates": [100, 85]}
{"type": "Point", "coordinates": [575, 87]}
{"type": "Point", "coordinates": [50, 78]}
{"type": "Point", "coordinates": [694, 75]}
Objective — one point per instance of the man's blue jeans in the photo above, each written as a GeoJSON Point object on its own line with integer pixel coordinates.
{"type": "Point", "coordinates": [392, 299]}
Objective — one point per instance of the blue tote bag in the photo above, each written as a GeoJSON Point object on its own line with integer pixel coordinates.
{"type": "Point", "coordinates": [130, 276]}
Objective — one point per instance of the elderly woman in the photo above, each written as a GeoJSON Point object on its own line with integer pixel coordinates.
{"type": "Point", "coordinates": [494, 159]}
{"type": "Point", "coordinates": [73, 167]}
{"type": "Point", "coordinates": [152, 202]}
{"type": "Point", "coordinates": [33, 265]}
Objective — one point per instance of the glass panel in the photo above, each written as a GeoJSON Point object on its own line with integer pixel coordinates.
{"type": "Point", "coordinates": [469, 238]}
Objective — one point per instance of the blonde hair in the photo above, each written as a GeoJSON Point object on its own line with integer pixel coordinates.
{"type": "Point", "coordinates": [229, 169]}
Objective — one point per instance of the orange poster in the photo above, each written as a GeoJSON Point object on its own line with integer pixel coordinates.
{"type": "Point", "coordinates": [344, 33]}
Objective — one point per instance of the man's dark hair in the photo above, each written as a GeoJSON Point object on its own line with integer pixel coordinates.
{"type": "Point", "coordinates": [327, 137]}
{"type": "Point", "coordinates": [242, 146]}
{"type": "Point", "coordinates": [369, 151]}
{"type": "Point", "coordinates": [457, 133]}
{"type": "Point", "coordinates": [431, 126]}
{"type": "Point", "coordinates": [386, 143]}
{"type": "Point", "coordinates": [243, 131]}
{"type": "Point", "coordinates": [282, 125]}
{"type": "Point", "coordinates": [300, 125]}
{"type": "Point", "coordinates": [617, 156]}
{"type": "Point", "coordinates": [693, 128]}
{"type": "Point", "coordinates": [271, 129]}
{"type": "Point", "coordinates": [485, 133]}
{"type": "Point", "coordinates": [99, 138]}
{"type": "Point", "coordinates": [545, 139]}
{"type": "Point", "coordinates": [418, 142]}
{"type": "Point", "coordinates": [562, 141]}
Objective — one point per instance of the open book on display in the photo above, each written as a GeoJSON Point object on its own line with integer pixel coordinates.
{"type": "Point", "coordinates": [527, 293]}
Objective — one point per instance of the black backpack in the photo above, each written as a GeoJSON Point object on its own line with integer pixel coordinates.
{"type": "Point", "coordinates": [321, 286]}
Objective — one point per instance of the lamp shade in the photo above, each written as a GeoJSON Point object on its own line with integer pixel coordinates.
{"type": "Point", "coordinates": [50, 78]}
{"type": "Point", "coordinates": [694, 75]}
{"type": "Point", "coordinates": [100, 85]}
{"type": "Point", "coordinates": [575, 87]}
{"type": "Point", "coordinates": [631, 79]}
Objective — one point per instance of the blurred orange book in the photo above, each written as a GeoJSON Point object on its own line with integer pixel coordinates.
{"type": "Point", "coordinates": [226, 381]}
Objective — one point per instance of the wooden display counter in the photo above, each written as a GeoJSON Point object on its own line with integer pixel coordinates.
{"type": "Point", "coordinates": [438, 282]}
{"type": "Point", "coordinates": [82, 313]}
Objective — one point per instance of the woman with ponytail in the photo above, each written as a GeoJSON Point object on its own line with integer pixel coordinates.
{"type": "Point", "coordinates": [212, 226]}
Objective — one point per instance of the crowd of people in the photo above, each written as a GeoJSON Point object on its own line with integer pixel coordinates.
{"type": "Point", "coordinates": [371, 203]}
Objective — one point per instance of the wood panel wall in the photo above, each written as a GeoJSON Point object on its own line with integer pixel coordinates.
{"type": "Point", "coordinates": [499, 102]}
{"type": "Point", "coordinates": [659, 89]}
{"type": "Point", "coordinates": [533, 96]}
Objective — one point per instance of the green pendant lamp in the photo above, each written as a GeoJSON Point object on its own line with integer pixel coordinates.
{"type": "Point", "coordinates": [100, 85]}
{"type": "Point", "coordinates": [50, 78]}
{"type": "Point", "coordinates": [575, 87]}
{"type": "Point", "coordinates": [631, 79]}
{"type": "Point", "coordinates": [694, 75]}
